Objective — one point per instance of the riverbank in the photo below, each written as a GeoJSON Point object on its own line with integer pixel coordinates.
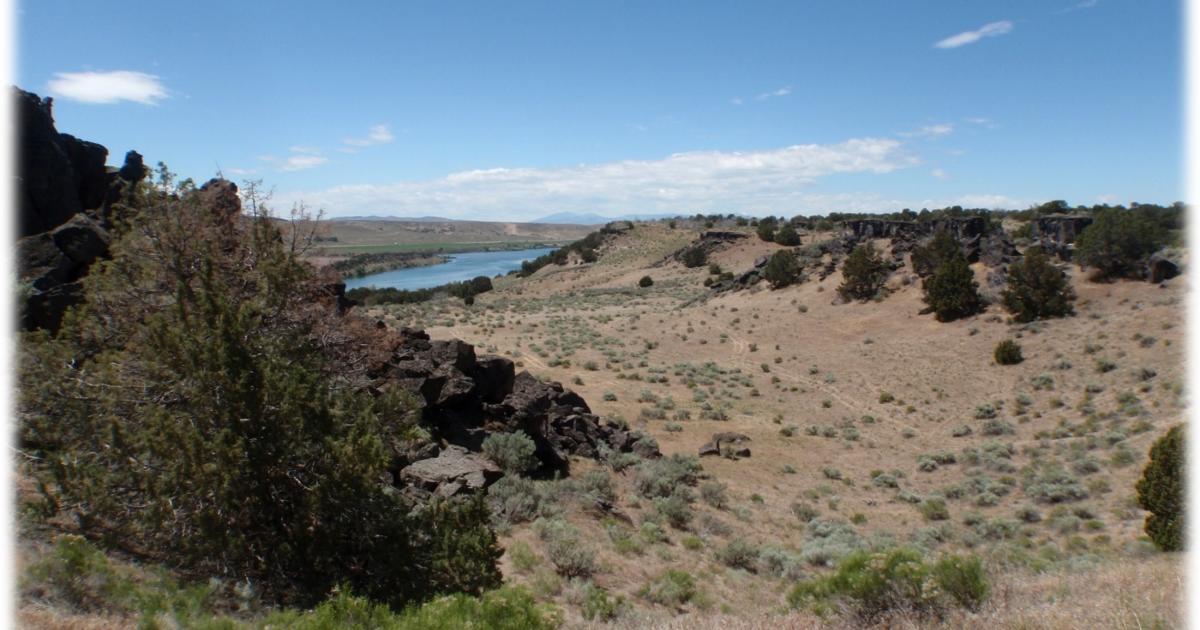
{"type": "Point", "coordinates": [360, 265]}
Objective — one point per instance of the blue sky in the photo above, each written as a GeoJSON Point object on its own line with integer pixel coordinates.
{"type": "Point", "coordinates": [511, 111]}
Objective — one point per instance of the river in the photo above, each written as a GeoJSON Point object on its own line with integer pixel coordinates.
{"type": "Point", "coordinates": [460, 267]}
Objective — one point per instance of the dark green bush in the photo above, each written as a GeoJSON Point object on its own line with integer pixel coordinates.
{"type": "Point", "coordinates": [863, 274]}
{"type": "Point", "coordinates": [1036, 289]}
{"type": "Point", "coordinates": [695, 257]}
{"type": "Point", "coordinates": [952, 291]}
{"type": "Point", "coordinates": [782, 269]}
{"type": "Point", "coordinates": [766, 229]}
{"type": "Point", "coordinates": [1160, 491]}
{"type": "Point", "coordinates": [238, 438]}
{"type": "Point", "coordinates": [927, 258]}
{"type": "Point", "coordinates": [787, 235]}
{"type": "Point", "coordinates": [646, 281]}
{"type": "Point", "coordinates": [1118, 242]}
{"type": "Point", "coordinates": [1008, 352]}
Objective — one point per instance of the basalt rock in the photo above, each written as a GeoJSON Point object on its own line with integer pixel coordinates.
{"type": "Point", "coordinates": [464, 398]}
{"type": "Point", "coordinates": [454, 471]}
{"type": "Point", "coordinates": [1160, 268]}
{"type": "Point", "coordinates": [728, 444]}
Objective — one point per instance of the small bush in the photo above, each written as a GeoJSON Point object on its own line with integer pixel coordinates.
{"type": "Point", "coordinates": [934, 509]}
{"type": "Point", "coordinates": [694, 257]}
{"type": "Point", "coordinates": [673, 588]}
{"type": "Point", "coordinates": [512, 452]}
{"type": "Point", "coordinates": [782, 269]}
{"type": "Point", "coordinates": [566, 549]}
{"type": "Point", "coordinates": [873, 584]}
{"type": "Point", "coordinates": [786, 235]}
{"type": "Point", "coordinates": [660, 477]}
{"type": "Point", "coordinates": [715, 494]}
{"type": "Point", "coordinates": [863, 274]}
{"type": "Point", "coordinates": [599, 606]}
{"type": "Point", "coordinates": [738, 554]}
{"type": "Point", "coordinates": [646, 281]}
{"type": "Point", "coordinates": [1036, 289]}
{"type": "Point", "coordinates": [952, 291]}
{"type": "Point", "coordinates": [1160, 491]}
{"type": "Point", "coordinates": [1008, 352]}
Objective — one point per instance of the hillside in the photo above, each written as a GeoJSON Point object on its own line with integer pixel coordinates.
{"type": "Point", "coordinates": [377, 235]}
{"type": "Point", "coordinates": [841, 403]}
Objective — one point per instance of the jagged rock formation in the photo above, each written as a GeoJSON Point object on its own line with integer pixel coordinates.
{"type": "Point", "coordinates": [709, 241]}
{"type": "Point", "coordinates": [66, 200]}
{"type": "Point", "coordinates": [1056, 233]}
{"type": "Point", "coordinates": [1160, 268]}
{"type": "Point", "coordinates": [464, 398]}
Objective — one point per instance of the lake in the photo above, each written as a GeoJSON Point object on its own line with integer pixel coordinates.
{"type": "Point", "coordinates": [460, 267]}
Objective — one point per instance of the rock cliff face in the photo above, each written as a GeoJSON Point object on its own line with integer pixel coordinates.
{"type": "Point", "coordinates": [66, 199]}
{"type": "Point", "coordinates": [465, 398]}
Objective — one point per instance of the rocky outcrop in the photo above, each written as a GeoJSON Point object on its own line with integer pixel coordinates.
{"type": "Point", "coordinates": [66, 199]}
{"type": "Point", "coordinates": [453, 471]}
{"type": "Point", "coordinates": [1057, 233]}
{"type": "Point", "coordinates": [727, 444]}
{"type": "Point", "coordinates": [464, 398]}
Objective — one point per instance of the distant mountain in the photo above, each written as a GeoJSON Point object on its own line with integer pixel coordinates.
{"type": "Point", "coordinates": [579, 218]}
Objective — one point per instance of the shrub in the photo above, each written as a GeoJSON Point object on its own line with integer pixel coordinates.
{"type": "Point", "coordinates": [1055, 485]}
{"type": "Point", "coordinates": [934, 509]}
{"type": "Point", "coordinates": [928, 258]}
{"type": "Point", "coordinates": [673, 588]}
{"type": "Point", "coordinates": [952, 291]}
{"type": "Point", "coordinates": [676, 509]}
{"type": "Point", "coordinates": [863, 274]}
{"type": "Point", "coordinates": [714, 493]}
{"type": "Point", "coordinates": [829, 541]}
{"type": "Point", "coordinates": [646, 281]}
{"type": "Point", "coordinates": [782, 269]}
{"type": "Point", "coordinates": [1117, 242]}
{"type": "Point", "coordinates": [738, 554]}
{"type": "Point", "coordinates": [598, 606]}
{"type": "Point", "coordinates": [246, 449]}
{"type": "Point", "coordinates": [565, 548]}
{"type": "Point", "coordinates": [766, 229]}
{"type": "Point", "coordinates": [1008, 352]}
{"type": "Point", "coordinates": [1036, 289]}
{"type": "Point", "coordinates": [873, 584]}
{"type": "Point", "coordinates": [786, 235]}
{"type": "Point", "coordinates": [660, 477]}
{"type": "Point", "coordinates": [695, 257]}
{"type": "Point", "coordinates": [1160, 491]}
{"type": "Point", "coordinates": [512, 452]}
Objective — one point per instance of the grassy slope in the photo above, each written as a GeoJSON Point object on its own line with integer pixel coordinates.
{"type": "Point", "coordinates": [832, 363]}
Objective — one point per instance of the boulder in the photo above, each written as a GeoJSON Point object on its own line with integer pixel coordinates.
{"type": "Point", "coordinates": [727, 443]}
{"type": "Point", "coordinates": [454, 471]}
{"type": "Point", "coordinates": [1160, 268]}
{"type": "Point", "coordinates": [81, 239]}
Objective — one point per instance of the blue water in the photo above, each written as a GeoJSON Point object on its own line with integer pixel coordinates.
{"type": "Point", "coordinates": [460, 267]}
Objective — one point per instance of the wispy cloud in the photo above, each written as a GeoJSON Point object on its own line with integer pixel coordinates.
{"type": "Point", "coordinates": [108, 87]}
{"type": "Point", "coordinates": [992, 29]}
{"type": "Point", "coordinates": [301, 158]}
{"type": "Point", "coordinates": [1083, 4]}
{"type": "Point", "coordinates": [939, 173]}
{"type": "Point", "coordinates": [783, 91]}
{"type": "Point", "coordinates": [741, 181]}
{"type": "Point", "coordinates": [938, 130]}
{"type": "Point", "coordinates": [379, 134]}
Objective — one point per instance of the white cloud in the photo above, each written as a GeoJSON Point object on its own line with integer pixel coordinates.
{"type": "Point", "coordinates": [379, 134]}
{"type": "Point", "coordinates": [989, 201]}
{"type": "Point", "coordinates": [302, 158]}
{"type": "Point", "coordinates": [1083, 4]}
{"type": "Point", "coordinates": [240, 171]}
{"type": "Point", "coordinates": [108, 87]}
{"type": "Point", "coordinates": [783, 91]}
{"type": "Point", "coordinates": [939, 173]}
{"type": "Point", "coordinates": [1107, 198]}
{"type": "Point", "coordinates": [683, 182]}
{"type": "Point", "coordinates": [938, 130]}
{"type": "Point", "coordinates": [737, 100]}
{"type": "Point", "coordinates": [992, 29]}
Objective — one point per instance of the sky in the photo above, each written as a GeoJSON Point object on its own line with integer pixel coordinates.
{"type": "Point", "coordinates": [516, 110]}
